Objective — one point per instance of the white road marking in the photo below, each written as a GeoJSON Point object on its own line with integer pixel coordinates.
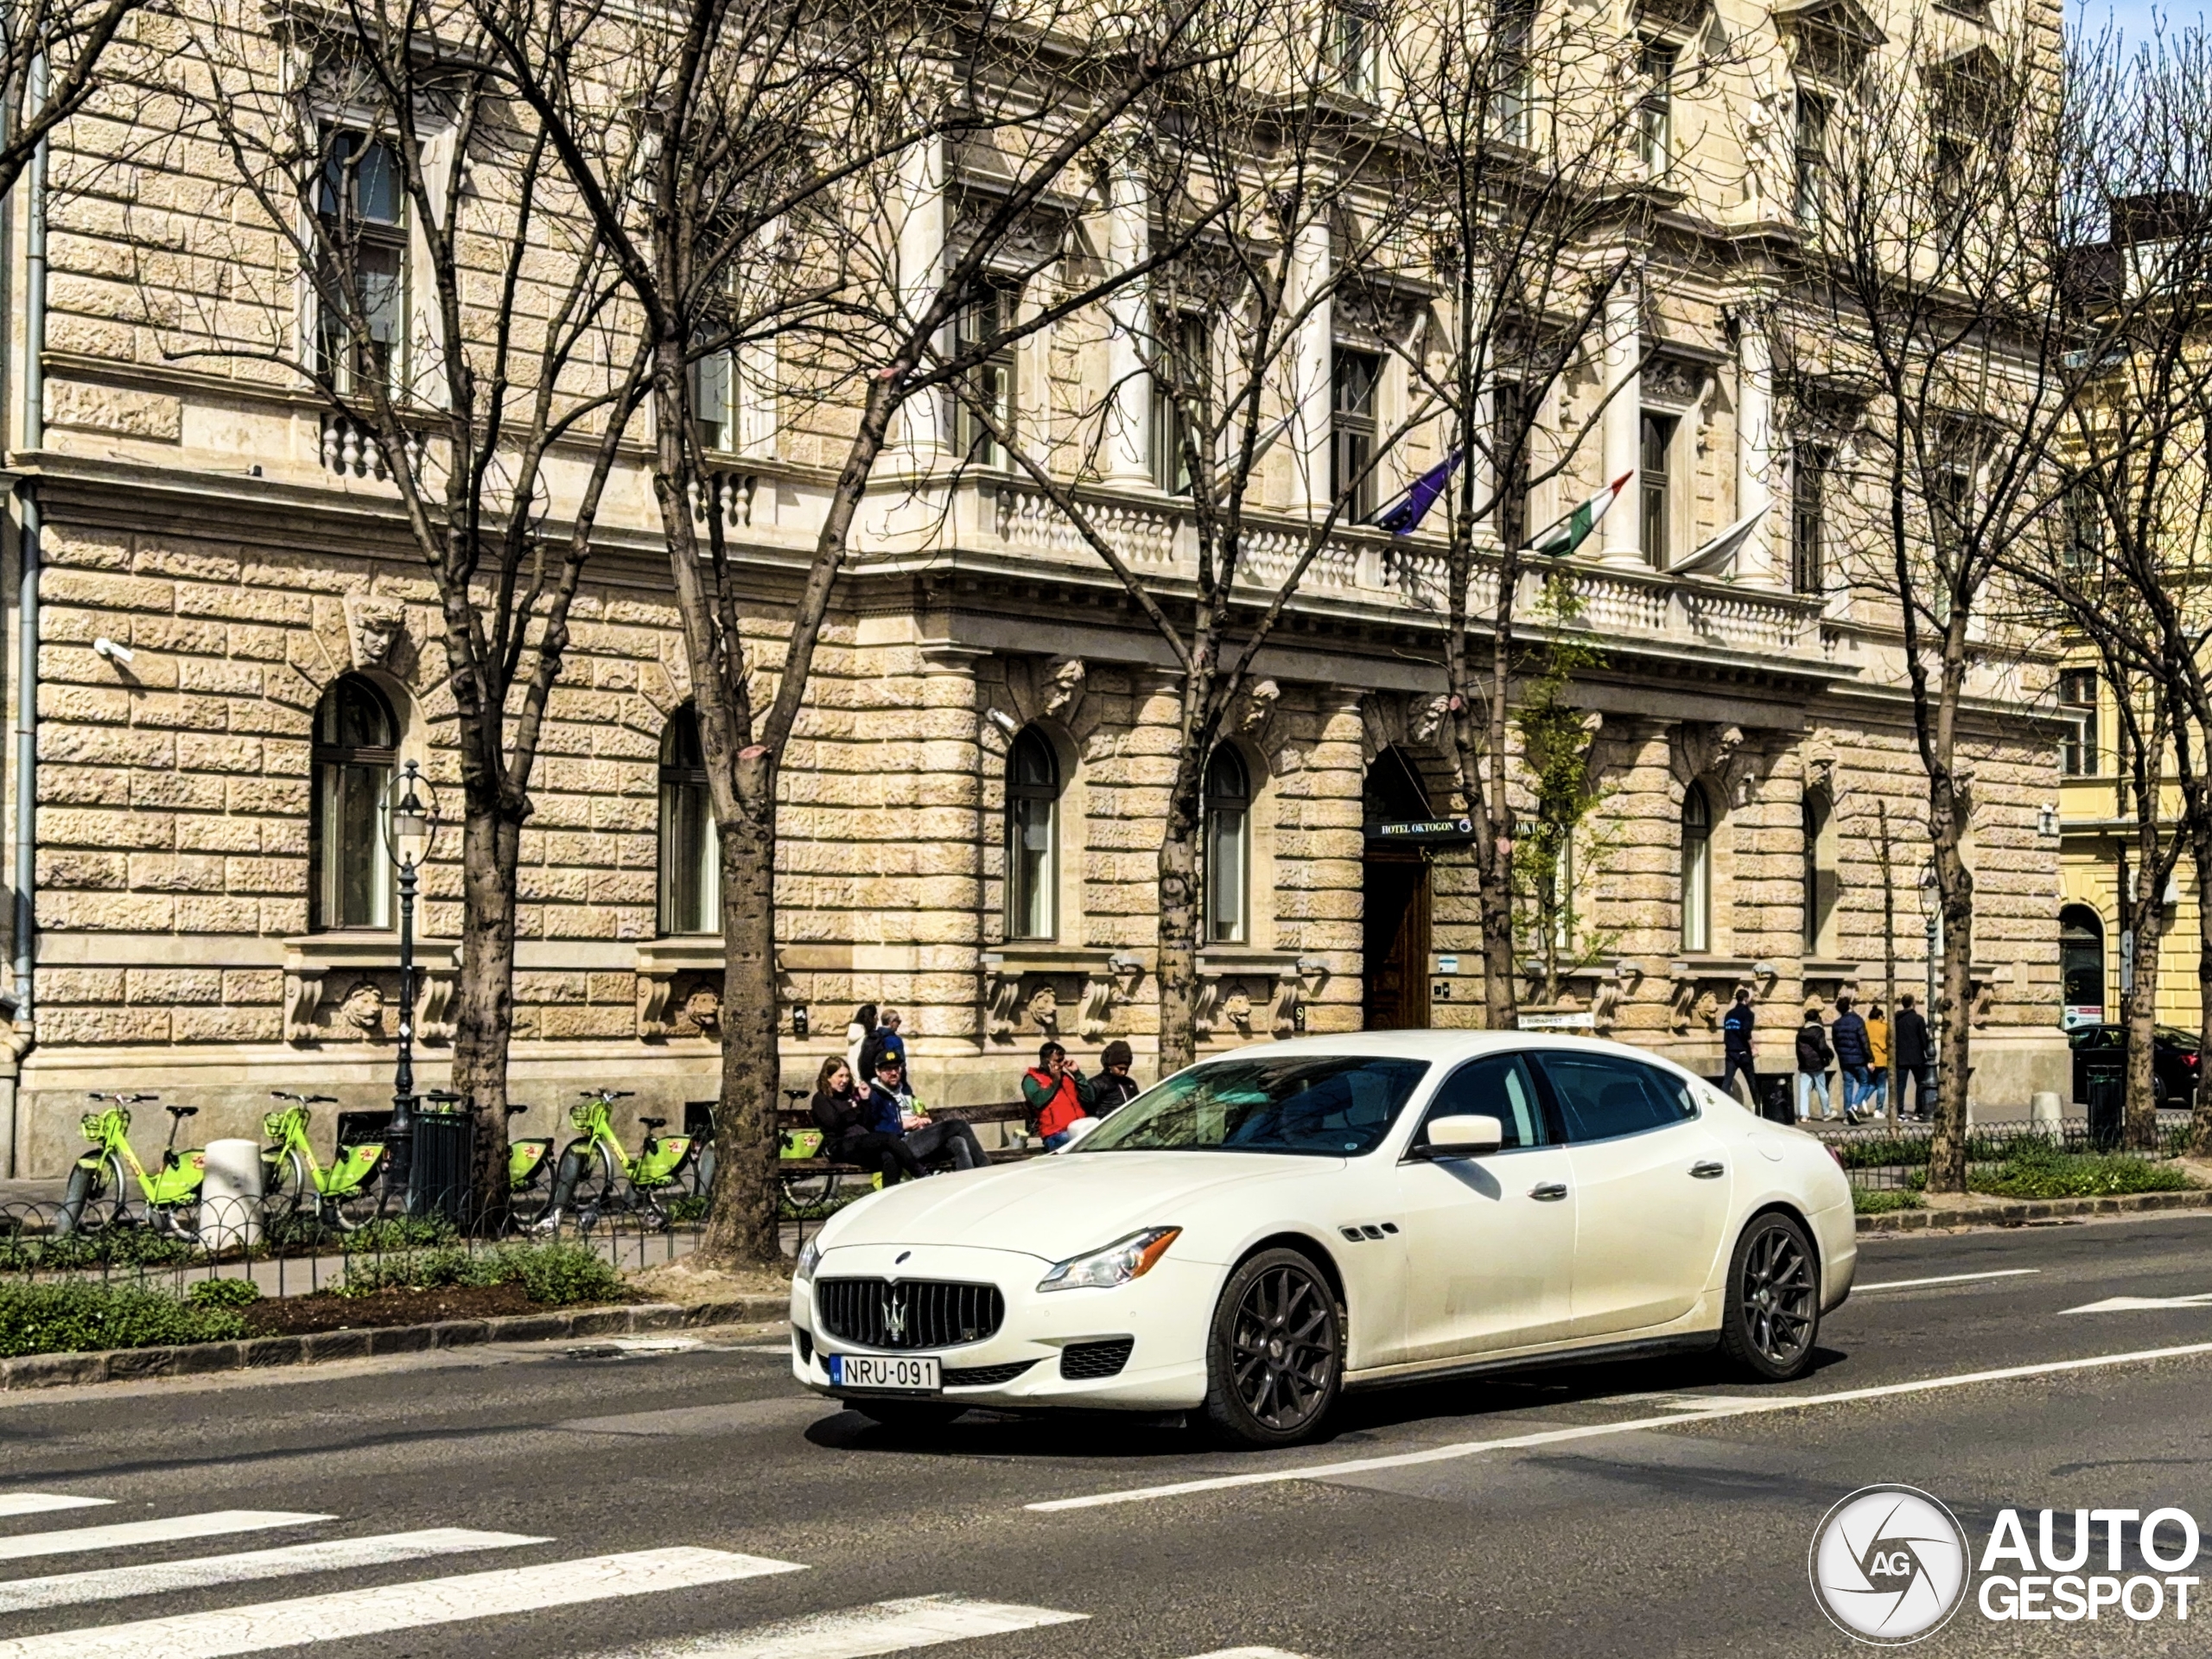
{"type": "Point", "coordinates": [265, 1626]}
{"type": "Point", "coordinates": [1944, 1279]}
{"type": "Point", "coordinates": [1251, 1653]}
{"type": "Point", "coordinates": [622, 1346]}
{"type": "Point", "coordinates": [45, 1502]}
{"type": "Point", "coordinates": [117, 1583]}
{"type": "Point", "coordinates": [860, 1632]}
{"type": "Point", "coordinates": [1737, 1407]}
{"type": "Point", "coordinates": [758, 1347]}
{"type": "Point", "coordinates": [123, 1533]}
{"type": "Point", "coordinates": [2137, 1304]}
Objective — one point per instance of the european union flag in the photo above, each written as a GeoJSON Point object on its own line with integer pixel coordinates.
{"type": "Point", "coordinates": [1403, 516]}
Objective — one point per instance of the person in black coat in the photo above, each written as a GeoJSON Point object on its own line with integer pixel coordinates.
{"type": "Point", "coordinates": [1915, 1057]}
{"type": "Point", "coordinates": [1854, 1053]}
{"type": "Point", "coordinates": [843, 1118]}
{"type": "Point", "coordinates": [1813, 1058]}
{"type": "Point", "coordinates": [1736, 1028]}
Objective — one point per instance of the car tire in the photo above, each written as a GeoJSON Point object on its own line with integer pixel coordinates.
{"type": "Point", "coordinates": [1771, 1314]}
{"type": "Point", "coordinates": [1275, 1352]}
{"type": "Point", "coordinates": [910, 1416]}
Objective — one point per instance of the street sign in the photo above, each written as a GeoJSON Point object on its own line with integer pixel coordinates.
{"type": "Point", "coordinates": [1422, 829]}
{"type": "Point", "coordinates": [1584, 1021]}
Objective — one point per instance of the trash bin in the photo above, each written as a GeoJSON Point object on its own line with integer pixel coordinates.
{"type": "Point", "coordinates": [445, 1142]}
{"type": "Point", "coordinates": [2105, 1085]}
{"type": "Point", "coordinates": [1780, 1103]}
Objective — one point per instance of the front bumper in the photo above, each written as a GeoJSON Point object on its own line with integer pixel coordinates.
{"type": "Point", "coordinates": [1166, 1313]}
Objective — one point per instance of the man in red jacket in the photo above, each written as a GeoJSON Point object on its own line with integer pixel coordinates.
{"type": "Point", "coordinates": [1058, 1094]}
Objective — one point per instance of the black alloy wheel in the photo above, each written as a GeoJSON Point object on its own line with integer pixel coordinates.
{"type": "Point", "coordinates": [1275, 1363]}
{"type": "Point", "coordinates": [1773, 1312]}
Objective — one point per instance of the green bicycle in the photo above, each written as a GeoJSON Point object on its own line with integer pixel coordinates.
{"type": "Point", "coordinates": [596, 1175]}
{"type": "Point", "coordinates": [294, 1184]}
{"type": "Point", "coordinates": [528, 1158]}
{"type": "Point", "coordinates": [100, 1186]}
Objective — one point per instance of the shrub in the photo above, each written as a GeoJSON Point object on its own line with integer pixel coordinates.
{"type": "Point", "coordinates": [2040, 1171]}
{"type": "Point", "coordinates": [1867, 1203]}
{"type": "Point", "coordinates": [555, 1275]}
{"type": "Point", "coordinates": [559, 1274]}
{"type": "Point", "coordinates": [83, 1319]}
{"type": "Point", "coordinates": [224, 1293]}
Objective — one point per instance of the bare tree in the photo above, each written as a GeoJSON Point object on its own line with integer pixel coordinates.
{"type": "Point", "coordinates": [53, 53]}
{"type": "Point", "coordinates": [843, 129]}
{"type": "Point", "coordinates": [1926, 303]}
{"type": "Point", "coordinates": [461, 329]}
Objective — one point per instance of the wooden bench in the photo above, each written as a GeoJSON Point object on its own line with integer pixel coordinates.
{"type": "Point", "coordinates": [791, 1117]}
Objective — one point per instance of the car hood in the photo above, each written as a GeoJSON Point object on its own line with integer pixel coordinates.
{"type": "Point", "coordinates": [1055, 1207]}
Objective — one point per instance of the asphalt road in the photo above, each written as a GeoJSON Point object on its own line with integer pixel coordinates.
{"type": "Point", "coordinates": [1644, 1511]}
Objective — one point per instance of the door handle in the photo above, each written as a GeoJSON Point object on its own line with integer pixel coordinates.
{"type": "Point", "coordinates": [1548, 1191]}
{"type": "Point", "coordinates": [1708, 1170]}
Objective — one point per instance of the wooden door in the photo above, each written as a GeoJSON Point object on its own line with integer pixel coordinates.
{"type": "Point", "coordinates": [1396, 942]}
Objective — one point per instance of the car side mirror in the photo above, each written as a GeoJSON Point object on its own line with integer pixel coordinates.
{"type": "Point", "coordinates": [1468, 1137]}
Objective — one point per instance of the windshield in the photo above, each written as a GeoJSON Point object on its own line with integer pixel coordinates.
{"type": "Point", "coordinates": [1319, 1105]}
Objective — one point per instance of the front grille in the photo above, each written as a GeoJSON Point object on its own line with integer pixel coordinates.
{"type": "Point", "coordinates": [908, 1313]}
{"type": "Point", "coordinates": [984, 1377]}
{"type": "Point", "coordinates": [1082, 1361]}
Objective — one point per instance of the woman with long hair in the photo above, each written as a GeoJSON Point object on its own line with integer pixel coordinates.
{"type": "Point", "coordinates": [856, 1036]}
{"type": "Point", "coordinates": [842, 1116]}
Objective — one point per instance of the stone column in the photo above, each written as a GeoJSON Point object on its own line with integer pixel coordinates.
{"type": "Point", "coordinates": [1128, 239]}
{"type": "Point", "coordinates": [1755, 459]}
{"type": "Point", "coordinates": [1624, 422]}
{"type": "Point", "coordinates": [946, 826]}
{"type": "Point", "coordinates": [921, 229]}
{"type": "Point", "coordinates": [1312, 367]}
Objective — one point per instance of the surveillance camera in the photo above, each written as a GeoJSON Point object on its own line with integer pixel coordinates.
{"type": "Point", "coordinates": [106, 648]}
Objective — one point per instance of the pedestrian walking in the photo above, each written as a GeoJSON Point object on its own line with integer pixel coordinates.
{"type": "Point", "coordinates": [884, 1040]}
{"type": "Point", "coordinates": [856, 1036]}
{"type": "Point", "coordinates": [1113, 1088]}
{"type": "Point", "coordinates": [1813, 1058]}
{"type": "Point", "coordinates": [897, 1112]}
{"type": "Point", "coordinates": [1736, 1028]}
{"type": "Point", "coordinates": [844, 1119]}
{"type": "Point", "coordinates": [1915, 1060]}
{"type": "Point", "coordinates": [1058, 1094]}
{"type": "Point", "coordinates": [1878, 1047]}
{"type": "Point", "coordinates": [1852, 1056]}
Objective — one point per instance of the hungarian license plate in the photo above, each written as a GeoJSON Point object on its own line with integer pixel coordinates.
{"type": "Point", "coordinates": [918, 1375]}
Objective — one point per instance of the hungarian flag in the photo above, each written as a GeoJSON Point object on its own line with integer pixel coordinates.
{"type": "Point", "coordinates": [1566, 534]}
{"type": "Point", "coordinates": [1403, 516]}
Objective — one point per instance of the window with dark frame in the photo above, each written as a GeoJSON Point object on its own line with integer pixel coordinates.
{"type": "Point", "coordinates": [362, 259]}
{"type": "Point", "coordinates": [1808, 485]}
{"type": "Point", "coordinates": [1032, 822]}
{"type": "Point", "coordinates": [1697, 870]}
{"type": "Point", "coordinates": [355, 750]}
{"type": "Point", "coordinates": [1655, 520]}
{"type": "Point", "coordinates": [1514, 102]}
{"type": "Point", "coordinates": [1655, 111]}
{"type": "Point", "coordinates": [1351, 47]}
{"type": "Point", "coordinates": [1357, 376]}
{"type": "Point", "coordinates": [1813, 113]}
{"type": "Point", "coordinates": [1228, 847]}
{"type": "Point", "coordinates": [984, 320]}
{"type": "Point", "coordinates": [690, 848]}
{"type": "Point", "coordinates": [2079, 755]}
{"type": "Point", "coordinates": [1182, 380]}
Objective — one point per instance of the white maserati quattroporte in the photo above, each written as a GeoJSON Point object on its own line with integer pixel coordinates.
{"type": "Point", "coordinates": [1265, 1229]}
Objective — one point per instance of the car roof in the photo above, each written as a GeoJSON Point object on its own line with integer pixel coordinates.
{"type": "Point", "coordinates": [1431, 1046]}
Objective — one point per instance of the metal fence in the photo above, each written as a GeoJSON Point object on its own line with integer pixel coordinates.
{"type": "Point", "coordinates": [1879, 1158]}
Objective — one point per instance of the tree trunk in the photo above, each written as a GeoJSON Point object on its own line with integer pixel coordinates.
{"type": "Point", "coordinates": [2141, 1012]}
{"type": "Point", "coordinates": [2200, 1117]}
{"type": "Point", "coordinates": [1947, 1151]}
{"type": "Point", "coordinates": [1178, 901]}
{"type": "Point", "coordinates": [742, 1224]}
{"type": "Point", "coordinates": [1494, 907]}
{"type": "Point", "coordinates": [484, 999]}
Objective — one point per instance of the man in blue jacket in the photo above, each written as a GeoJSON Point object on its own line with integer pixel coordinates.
{"type": "Point", "coordinates": [1854, 1054]}
{"type": "Point", "coordinates": [1736, 1026]}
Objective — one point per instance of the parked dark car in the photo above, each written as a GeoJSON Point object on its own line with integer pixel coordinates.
{"type": "Point", "coordinates": [2173, 1060]}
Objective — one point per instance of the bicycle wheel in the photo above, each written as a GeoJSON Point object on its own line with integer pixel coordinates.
{"type": "Point", "coordinates": [596, 1187]}
{"type": "Point", "coordinates": [89, 1202]}
{"type": "Point", "coordinates": [350, 1211]}
{"type": "Point", "coordinates": [287, 1192]}
{"type": "Point", "coordinates": [808, 1192]}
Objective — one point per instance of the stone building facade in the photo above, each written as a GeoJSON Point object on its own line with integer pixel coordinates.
{"type": "Point", "coordinates": [234, 541]}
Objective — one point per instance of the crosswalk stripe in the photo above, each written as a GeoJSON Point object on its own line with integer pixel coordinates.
{"type": "Point", "coordinates": [1252, 1653]}
{"type": "Point", "coordinates": [115, 1583]}
{"type": "Point", "coordinates": [45, 1502]}
{"type": "Point", "coordinates": [122, 1534]}
{"type": "Point", "coordinates": [860, 1632]}
{"type": "Point", "coordinates": [299, 1620]}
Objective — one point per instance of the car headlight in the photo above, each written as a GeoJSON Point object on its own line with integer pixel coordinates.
{"type": "Point", "coordinates": [1118, 1262]}
{"type": "Point", "coordinates": [810, 1257]}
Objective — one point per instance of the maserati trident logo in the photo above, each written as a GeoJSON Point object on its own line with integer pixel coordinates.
{"type": "Point", "coordinates": [894, 1315]}
{"type": "Point", "coordinates": [1888, 1565]}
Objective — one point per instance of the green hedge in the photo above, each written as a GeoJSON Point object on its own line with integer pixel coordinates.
{"type": "Point", "coordinates": [1869, 1202]}
{"type": "Point", "coordinates": [2044, 1172]}
{"type": "Point", "coordinates": [84, 1319]}
{"type": "Point", "coordinates": [555, 1275]}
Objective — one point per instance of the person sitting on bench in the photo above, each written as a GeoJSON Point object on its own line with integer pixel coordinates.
{"type": "Point", "coordinates": [842, 1117]}
{"type": "Point", "coordinates": [895, 1111]}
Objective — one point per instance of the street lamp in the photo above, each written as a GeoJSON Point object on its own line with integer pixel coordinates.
{"type": "Point", "coordinates": [410, 830]}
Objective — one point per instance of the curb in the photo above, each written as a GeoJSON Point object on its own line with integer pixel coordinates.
{"type": "Point", "coordinates": [259, 1353]}
{"type": "Point", "coordinates": [1999, 1212]}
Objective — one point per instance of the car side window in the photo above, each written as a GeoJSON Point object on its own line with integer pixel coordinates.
{"type": "Point", "coordinates": [1601, 1098]}
{"type": "Point", "coordinates": [1499, 1086]}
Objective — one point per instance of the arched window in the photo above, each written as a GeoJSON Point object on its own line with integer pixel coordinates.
{"type": "Point", "coordinates": [1697, 870]}
{"type": "Point", "coordinates": [2081, 964]}
{"type": "Point", "coordinates": [690, 853]}
{"type": "Point", "coordinates": [1228, 847]}
{"type": "Point", "coordinates": [356, 747]}
{"type": "Point", "coordinates": [1033, 838]}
